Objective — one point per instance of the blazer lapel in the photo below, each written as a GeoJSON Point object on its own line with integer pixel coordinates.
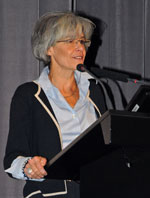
{"type": "Point", "coordinates": [41, 97]}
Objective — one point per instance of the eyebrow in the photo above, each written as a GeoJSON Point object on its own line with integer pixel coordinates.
{"type": "Point", "coordinates": [75, 37]}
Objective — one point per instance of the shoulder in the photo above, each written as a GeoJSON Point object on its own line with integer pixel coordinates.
{"type": "Point", "coordinates": [97, 94]}
{"type": "Point", "coordinates": [28, 88]}
{"type": "Point", "coordinates": [25, 92]}
{"type": "Point", "coordinates": [95, 88]}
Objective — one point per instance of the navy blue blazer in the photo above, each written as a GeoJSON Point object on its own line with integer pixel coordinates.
{"type": "Point", "coordinates": [34, 131]}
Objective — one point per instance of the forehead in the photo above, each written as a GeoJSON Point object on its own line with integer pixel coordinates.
{"type": "Point", "coordinates": [71, 31]}
{"type": "Point", "coordinates": [75, 36]}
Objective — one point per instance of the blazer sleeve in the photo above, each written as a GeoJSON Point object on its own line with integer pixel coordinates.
{"type": "Point", "coordinates": [20, 125]}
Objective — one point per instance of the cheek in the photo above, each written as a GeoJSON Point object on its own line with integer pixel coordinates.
{"type": "Point", "coordinates": [61, 53]}
{"type": "Point", "coordinates": [62, 57]}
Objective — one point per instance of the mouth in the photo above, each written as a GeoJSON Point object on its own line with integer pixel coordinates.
{"type": "Point", "coordinates": [78, 57]}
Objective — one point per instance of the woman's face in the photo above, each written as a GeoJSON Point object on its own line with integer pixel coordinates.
{"type": "Point", "coordinates": [68, 53]}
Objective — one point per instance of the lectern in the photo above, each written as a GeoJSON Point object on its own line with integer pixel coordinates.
{"type": "Point", "coordinates": [110, 159]}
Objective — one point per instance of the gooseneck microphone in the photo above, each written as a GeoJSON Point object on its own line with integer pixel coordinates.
{"type": "Point", "coordinates": [110, 74]}
{"type": "Point", "coordinates": [98, 73]}
{"type": "Point", "coordinates": [82, 68]}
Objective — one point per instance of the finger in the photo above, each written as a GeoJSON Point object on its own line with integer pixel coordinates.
{"type": "Point", "coordinates": [40, 162]}
{"type": "Point", "coordinates": [34, 174]}
{"type": "Point", "coordinates": [43, 161]}
{"type": "Point", "coordinates": [32, 163]}
{"type": "Point", "coordinates": [35, 164]}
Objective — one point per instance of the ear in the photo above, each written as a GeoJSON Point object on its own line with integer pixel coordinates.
{"type": "Point", "coordinates": [50, 51]}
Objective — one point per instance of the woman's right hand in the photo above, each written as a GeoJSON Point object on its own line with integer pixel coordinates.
{"type": "Point", "coordinates": [35, 167]}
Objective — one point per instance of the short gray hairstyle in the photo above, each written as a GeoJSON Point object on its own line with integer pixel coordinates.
{"type": "Point", "coordinates": [52, 27]}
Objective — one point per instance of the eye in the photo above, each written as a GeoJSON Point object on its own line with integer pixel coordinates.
{"type": "Point", "coordinates": [85, 42]}
{"type": "Point", "coordinates": [82, 42]}
{"type": "Point", "coordinates": [69, 41]}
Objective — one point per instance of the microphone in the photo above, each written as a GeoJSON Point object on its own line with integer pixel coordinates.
{"type": "Point", "coordinates": [82, 68]}
{"type": "Point", "coordinates": [110, 74]}
{"type": "Point", "coordinates": [101, 73]}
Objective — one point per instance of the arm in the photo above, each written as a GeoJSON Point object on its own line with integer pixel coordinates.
{"type": "Point", "coordinates": [20, 136]}
{"type": "Point", "coordinates": [19, 168]}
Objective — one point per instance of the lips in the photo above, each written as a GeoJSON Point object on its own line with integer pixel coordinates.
{"type": "Point", "coordinates": [78, 57]}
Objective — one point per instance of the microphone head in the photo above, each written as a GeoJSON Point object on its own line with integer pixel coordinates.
{"type": "Point", "coordinates": [80, 67]}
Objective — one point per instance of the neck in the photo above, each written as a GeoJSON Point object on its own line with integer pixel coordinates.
{"type": "Point", "coordinates": [64, 81]}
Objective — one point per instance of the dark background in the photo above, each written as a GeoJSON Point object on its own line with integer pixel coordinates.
{"type": "Point", "coordinates": [124, 46]}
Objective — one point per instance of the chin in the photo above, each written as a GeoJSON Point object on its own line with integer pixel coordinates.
{"type": "Point", "coordinates": [79, 62]}
{"type": "Point", "coordinates": [74, 65]}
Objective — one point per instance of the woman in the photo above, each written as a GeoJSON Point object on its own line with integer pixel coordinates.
{"type": "Point", "coordinates": [47, 114]}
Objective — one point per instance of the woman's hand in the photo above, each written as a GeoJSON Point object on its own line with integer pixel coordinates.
{"type": "Point", "coordinates": [35, 167]}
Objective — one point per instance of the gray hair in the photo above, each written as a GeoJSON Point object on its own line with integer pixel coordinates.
{"type": "Point", "coordinates": [52, 27]}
